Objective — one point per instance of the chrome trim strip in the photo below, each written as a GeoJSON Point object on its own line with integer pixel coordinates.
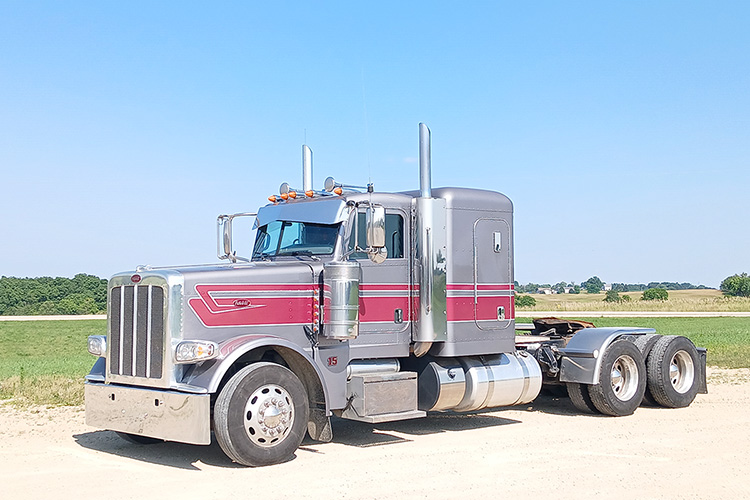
{"type": "Point", "coordinates": [148, 331]}
{"type": "Point", "coordinates": [122, 328]}
{"type": "Point", "coordinates": [134, 333]}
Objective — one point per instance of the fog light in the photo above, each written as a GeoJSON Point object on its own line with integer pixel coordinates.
{"type": "Point", "coordinates": [98, 345]}
{"type": "Point", "coordinates": [192, 351]}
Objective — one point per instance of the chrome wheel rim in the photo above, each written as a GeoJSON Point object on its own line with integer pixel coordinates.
{"type": "Point", "coordinates": [269, 414]}
{"type": "Point", "coordinates": [624, 378]}
{"type": "Point", "coordinates": [681, 372]}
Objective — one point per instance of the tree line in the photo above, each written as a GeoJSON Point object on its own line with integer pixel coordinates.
{"type": "Point", "coordinates": [82, 294]}
{"type": "Point", "coordinates": [596, 285]}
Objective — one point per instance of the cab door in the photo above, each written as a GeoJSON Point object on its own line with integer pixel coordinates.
{"type": "Point", "coordinates": [385, 290]}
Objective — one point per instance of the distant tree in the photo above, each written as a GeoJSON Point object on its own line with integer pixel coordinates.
{"type": "Point", "coordinates": [576, 289]}
{"type": "Point", "coordinates": [559, 287]}
{"type": "Point", "coordinates": [625, 298]}
{"type": "Point", "coordinates": [655, 294]}
{"type": "Point", "coordinates": [525, 301]}
{"type": "Point", "coordinates": [593, 285]}
{"type": "Point", "coordinates": [83, 294]}
{"type": "Point", "coordinates": [612, 296]}
{"type": "Point", "coordinates": [737, 285]}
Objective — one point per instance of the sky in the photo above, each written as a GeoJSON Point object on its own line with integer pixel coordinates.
{"type": "Point", "coordinates": [620, 130]}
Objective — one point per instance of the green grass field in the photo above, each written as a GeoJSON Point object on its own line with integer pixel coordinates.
{"type": "Point", "coordinates": [679, 300]}
{"type": "Point", "coordinates": [727, 339]}
{"type": "Point", "coordinates": [44, 362]}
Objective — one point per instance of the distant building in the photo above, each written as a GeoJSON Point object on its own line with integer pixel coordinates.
{"type": "Point", "coordinates": [545, 291]}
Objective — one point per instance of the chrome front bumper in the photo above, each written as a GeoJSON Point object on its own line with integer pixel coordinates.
{"type": "Point", "coordinates": [168, 415]}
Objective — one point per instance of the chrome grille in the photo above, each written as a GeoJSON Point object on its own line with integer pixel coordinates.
{"type": "Point", "coordinates": [136, 331]}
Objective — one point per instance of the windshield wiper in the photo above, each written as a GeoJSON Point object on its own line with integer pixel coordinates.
{"type": "Point", "coordinates": [301, 253]}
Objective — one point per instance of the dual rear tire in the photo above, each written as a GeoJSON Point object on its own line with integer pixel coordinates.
{"type": "Point", "coordinates": [659, 370]}
{"type": "Point", "coordinates": [673, 371]}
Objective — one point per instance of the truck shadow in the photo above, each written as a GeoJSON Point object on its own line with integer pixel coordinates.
{"type": "Point", "coordinates": [362, 434]}
{"type": "Point", "coordinates": [554, 404]}
{"type": "Point", "coordinates": [177, 455]}
{"type": "Point", "coordinates": [346, 432]}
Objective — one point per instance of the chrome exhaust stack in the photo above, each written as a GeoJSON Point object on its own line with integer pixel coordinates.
{"type": "Point", "coordinates": [431, 255]}
{"type": "Point", "coordinates": [307, 183]}
{"type": "Point", "coordinates": [425, 156]}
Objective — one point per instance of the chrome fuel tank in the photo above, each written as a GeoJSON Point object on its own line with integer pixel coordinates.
{"type": "Point", "coordinates": [476, 382]}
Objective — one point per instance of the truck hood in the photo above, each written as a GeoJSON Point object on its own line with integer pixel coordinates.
{"type": "Point", "coordinates": [219, 300]}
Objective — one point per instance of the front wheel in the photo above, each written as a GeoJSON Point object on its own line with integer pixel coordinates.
{"type": "Point", "coordinates": [260, 416]}
{"type": "Point", "coordinates": [622, 380]}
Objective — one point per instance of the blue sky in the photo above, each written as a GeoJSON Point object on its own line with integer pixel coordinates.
{"type": "Point", "coordinates": [621, 130]}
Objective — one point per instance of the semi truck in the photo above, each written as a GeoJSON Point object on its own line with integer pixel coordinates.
{"type": "Point", "coordinates": [361, 305]}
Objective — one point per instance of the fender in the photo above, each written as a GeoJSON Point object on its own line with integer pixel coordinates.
{"type": "Point", "coordinates": [582, 357]}
{"type": "Point", "coordinates": [211, 374]}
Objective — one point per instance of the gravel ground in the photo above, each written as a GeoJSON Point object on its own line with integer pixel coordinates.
{"type": "Point", "coordinates": [543, 449]}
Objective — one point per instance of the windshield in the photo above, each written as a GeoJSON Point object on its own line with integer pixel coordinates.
{"type": "Point", "coordinates": [294, 238]}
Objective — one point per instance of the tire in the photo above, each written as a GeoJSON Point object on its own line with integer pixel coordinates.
{"type": "Point", "coordinates": [622, 380]}
{"type": "Point", "coordinates": [673, 371]}
{"type": "Point", "coordinates": [645, 343]}
{"type": "Point", "coordinates": [579, 395]}
{"type": "Point", "coordinates": [138, 439]}
{"type": "Point", "coordinates": [244, 429]}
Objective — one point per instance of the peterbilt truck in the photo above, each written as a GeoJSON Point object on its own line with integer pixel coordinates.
{"type": "Point", "coordinates": [362, 305]}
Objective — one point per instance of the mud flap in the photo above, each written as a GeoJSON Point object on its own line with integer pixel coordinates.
{"type": "Point", "coordinates": [703, 383]}
{"type": "Point", "coordinates": [319, 426]}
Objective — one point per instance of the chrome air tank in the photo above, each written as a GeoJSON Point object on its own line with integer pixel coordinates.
{"type": "Point", "coordinates": [341, 300]}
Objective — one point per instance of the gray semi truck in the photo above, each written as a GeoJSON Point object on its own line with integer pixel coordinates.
{"type": "Point", "coordinates": [364, 305]}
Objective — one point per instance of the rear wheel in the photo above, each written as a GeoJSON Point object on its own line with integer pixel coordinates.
{"type": "Point", "coordinates": [645, 343]}
{"type": "Point", "coordinates": [622, 380]}
{"type": "Point", "coordinates": [579, 395]}
{"type": "Point", "coordinates": [260, 416]}
{"type": "Point", "coordinates": [673, 371]}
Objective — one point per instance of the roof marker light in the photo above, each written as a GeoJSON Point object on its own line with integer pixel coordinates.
{"type": "Point", "coordinates": [310, 193]}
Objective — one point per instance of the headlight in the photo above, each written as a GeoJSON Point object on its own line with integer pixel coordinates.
{"type": "Point", "coordinates": [193, 351]}
{"type": "Point", "coordinates": [98, 345]}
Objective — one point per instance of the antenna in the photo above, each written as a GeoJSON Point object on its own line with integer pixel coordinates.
{"type": "Point", "coordinates": [367, 131]}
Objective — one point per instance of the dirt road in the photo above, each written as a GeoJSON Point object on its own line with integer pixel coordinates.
{"type": "Point", "coordinates": [543, 450]}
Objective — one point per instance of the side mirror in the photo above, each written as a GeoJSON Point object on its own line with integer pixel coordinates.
{"type": "Point", "coordinates": [227, 238]}
{"type": "Point", "coordinates": [224, 236]}
{"type": "Point", "coordinates": [375, 221]}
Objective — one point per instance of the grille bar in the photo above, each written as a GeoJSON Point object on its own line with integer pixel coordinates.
{"type": "Point", "coordinates": [137, 331]}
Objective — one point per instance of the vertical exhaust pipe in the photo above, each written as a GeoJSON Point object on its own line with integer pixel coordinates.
{"type": "Point", "coordinates": [425, 153]}
{"type": "Point", "coordinates": [431, 243]}
{"type": "Point", "coordinates": [307, 183]}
